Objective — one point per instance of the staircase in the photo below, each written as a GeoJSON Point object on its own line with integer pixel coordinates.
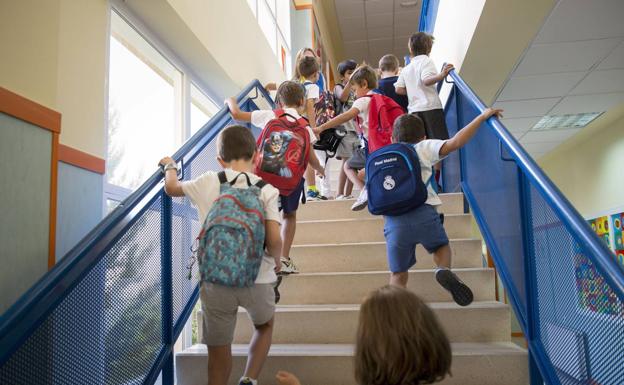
{"type": "Point", "coordinates": [341, 254]}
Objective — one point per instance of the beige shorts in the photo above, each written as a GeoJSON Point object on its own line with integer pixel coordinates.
{"type": "Point", "coordinates": [220, 307]}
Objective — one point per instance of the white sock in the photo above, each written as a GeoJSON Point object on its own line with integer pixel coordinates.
{"type": "Point", "coordinates": [253, 382]}
{"type": "Point", "coordinates": [440, 268]}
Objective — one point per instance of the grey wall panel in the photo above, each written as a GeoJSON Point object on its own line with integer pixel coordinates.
{"type": "Point", "coordinates": [25, 155]}
{"type": "Point", "coordinates": [79, 205]}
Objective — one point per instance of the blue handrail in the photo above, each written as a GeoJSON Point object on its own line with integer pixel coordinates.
{"type": "Point", "coordinates": [555, 198]}
{"type": "Point", "coordinates": [551, 262]}
{"type": "Point", "coordinates": [19, 322]}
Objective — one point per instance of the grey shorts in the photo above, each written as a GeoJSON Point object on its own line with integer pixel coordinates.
{"type": "Point", "coordinates": [348, 145]}
{"type": "Point", "coordinates": [358, 160]}
{"type": "Point", "coordinates": [220, 307]}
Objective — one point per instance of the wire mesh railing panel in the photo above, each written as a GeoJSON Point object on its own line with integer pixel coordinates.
{"type": "Point", "coordinates": [492, 185]}
{"type": "Point", "coordinates": [581, 320]}
{"type": "Point", "coordinates": [108, 330]}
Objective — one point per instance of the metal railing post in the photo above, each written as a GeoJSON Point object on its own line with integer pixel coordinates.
{"type": "Point", "coordinates": [167, 288]}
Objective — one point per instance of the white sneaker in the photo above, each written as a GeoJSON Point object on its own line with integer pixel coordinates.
{"type": "Point", "coordinates": [344, 197]}
{"type": "Point", "coordinates": [361, 202]}
{"type": "Point", "coordinates": [288, 267]}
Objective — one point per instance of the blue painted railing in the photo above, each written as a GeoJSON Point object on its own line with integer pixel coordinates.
{"type": "Point", "coordinates": [110, 311]}
{"type": "Point", "coordinates": [564, 284]}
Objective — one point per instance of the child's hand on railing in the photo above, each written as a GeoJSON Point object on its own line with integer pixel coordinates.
{"type": "Point", "coordinates": [285, 378]}
{"type": "Point", "coordinates": [492, 112]}
{"type": "Point", "coordinates": [447, 68]}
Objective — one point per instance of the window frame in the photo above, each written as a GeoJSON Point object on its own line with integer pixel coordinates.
{"type": "Point", "coordinates": [280, 35]}
{"type": "Point", "coordinates": [182, 92]}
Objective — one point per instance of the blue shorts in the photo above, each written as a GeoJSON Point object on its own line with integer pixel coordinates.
{"type": "Point", "coordinates": [421, 225]}
{"type": "Point", "coordinates": [290, 203]}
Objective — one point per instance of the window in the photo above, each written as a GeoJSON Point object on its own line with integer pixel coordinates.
{"type": "Point", "coordinates": [202, 109]}
{"type": "Point", "coordinates": [149, 98]}
{"type": "Point", "coordinates": [274, 19]}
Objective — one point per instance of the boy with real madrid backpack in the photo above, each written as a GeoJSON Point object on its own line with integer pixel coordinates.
{"type": "Point", "coordinates": [240, 220]}
{"type": "Point", "coordinates": [399, 188]}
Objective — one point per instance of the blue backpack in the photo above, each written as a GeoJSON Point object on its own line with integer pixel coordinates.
{"type": "Point", "coordinates": [394, 180]}
{"type": "Point", "coordinates": [231, 241]}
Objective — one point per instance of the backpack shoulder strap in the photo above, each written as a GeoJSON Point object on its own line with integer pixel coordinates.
{"type": "Point", "coordinates": [278, 113]}
{"type": "Point", "coordinates": [222, 177]}
{"type": "Point", "coordinates": [303, 121]}
{"type": "Point", "coordinates": [260, 184]}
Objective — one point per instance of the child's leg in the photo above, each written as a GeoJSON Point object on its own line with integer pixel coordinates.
{"type": "Point", "coordinates": [342, 179]}
{"type": "Point", "coordinates": [399, 279]}
{"type": "Point", "coordinates": [442, 257]}
{"type": "Point", "coordinates": [219, 364]}
{"type": "Point", "coordinates": [348, 187]}
{"type": "Point", "coordinates": [289, 226]}
{"type": "Point", "coordinates": [353, 177]}
{"type": "Point", "coordinates": [310, 178]}
{"type": "Point", "coordinates": [400, 248]}
{"type": "Point", "coordinates": [259, 349]}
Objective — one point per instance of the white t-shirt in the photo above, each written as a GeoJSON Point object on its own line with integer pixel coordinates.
{"type": "Point", "coordinates": [362, 105]}
{"type": "Point", "coordinates": [420, 96]}
{"type": "Point", "coordinates": [260, 118]}
{"type": "Point", "coordinates": [312, 91]}
{"type": "Point", "coordinates": [204, 190]}
{"type": "Point", "coordinates": [428, 152]}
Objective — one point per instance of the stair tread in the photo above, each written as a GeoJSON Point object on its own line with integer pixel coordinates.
{"type": "Point", "coordinates": [370, 243]}
{"type": "Point", "coordinates": [442, 196]}
{"type": "Point", "coordinates": [419, 271]}
{"type": "Point", "coordinates": [371, 219]}
{"type": "Point", "coordinates": [329, 350]}
{"type": "Point", "coordinates": [476, 305]}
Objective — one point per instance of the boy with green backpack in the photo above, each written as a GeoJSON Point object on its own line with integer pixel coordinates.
{"type": "Point", "coordinates": [240, 219]}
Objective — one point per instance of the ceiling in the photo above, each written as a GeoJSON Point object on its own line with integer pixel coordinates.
{"type": "Point", "coordinates": [373, 28]}
{"type": "Point", "coordinates": [575, 64]}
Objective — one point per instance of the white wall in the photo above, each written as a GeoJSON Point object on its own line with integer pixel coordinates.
{"type": "Point", "coordinates": [454, 27]}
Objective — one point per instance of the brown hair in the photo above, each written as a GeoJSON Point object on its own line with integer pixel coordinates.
{"type": "Point", "coordinates": [308, 66]}
{"type": "Point", "coordinates": [408, 128]}
{"type": "Point", "coordinates": [236, 142]}
{"type": "Point", "coordinates": [290, 94]}
{"type": "Point", "coordinates": [399, 341]}
{"type": "Point", "coordinates": [420, 44]}
{"type": "Point", "coordinates": [300, 55]}
{"type": "Point", "coordinates": [389, 63]}
{"type": "Point", "coordinates": [365, 72]}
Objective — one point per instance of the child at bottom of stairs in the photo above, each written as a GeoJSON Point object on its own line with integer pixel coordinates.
{"type": "Point", "coordinates": [423, 224]}
{"type": "Point", "coordinates": [236, 148]}
{"type": "Point", "coordinates": [399, 341]}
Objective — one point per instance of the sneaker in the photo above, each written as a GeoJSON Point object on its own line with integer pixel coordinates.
{"type": "Point", "coordinates": [247, 381]}
{"type": "Point", "coordinates": [461, 293]}
{"type": "Point", "coordinates": [361, 202]}
{"type": "Point", "coordinates": [276, 287]}
{"type": "Point", "coordinates": [344, 197]}
{"type": "Point", "coordinates": [312, 195]}
{"type": "Point", "coordinates": [288, 267]}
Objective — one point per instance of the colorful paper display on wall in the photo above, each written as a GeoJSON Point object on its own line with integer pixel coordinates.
{"type": "Point", "coordinates": [593, 292]}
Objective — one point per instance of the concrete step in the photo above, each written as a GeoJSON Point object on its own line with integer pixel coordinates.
{"type": "Point", "coordinates": [352, 288]}
{"type": "Point", "coordinates": [371, 256]}
{"type": "Point", "coordinates": [336, 324]}
{"type": "Point", "coordinates": [366, 230]}
{"type": "Point", "coordinates": [333, 209]}
{"type": "Point", "coordinates": [473, 364]}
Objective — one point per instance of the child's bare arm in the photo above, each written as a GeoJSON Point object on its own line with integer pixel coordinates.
{"type": "Point", "coordinates": [465, 134]}
{"type": "Point", "coordinates": [431, 80]}
{"type": "Point", "coordinates": [235, 111]}
{"type": "Point", "coordinates": [272, 86]}
{"type": "Point", "coordinates": [315, 163]}
{"type": "Point", "coordinates": [273, 240]}
{"type": "Point", "coordinates": [346, 91]}
{"type": "Point", "coordinates": [311, 114]}
{"type": "Point", "coordinates": [338, 120]}
{"type": "Point", "coordinates": [173, 187]}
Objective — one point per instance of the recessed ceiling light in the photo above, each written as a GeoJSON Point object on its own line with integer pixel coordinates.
{"type": "Point", "coordinates": [549, 122]}
{"type": "Point", "coordinates": [408, 4]}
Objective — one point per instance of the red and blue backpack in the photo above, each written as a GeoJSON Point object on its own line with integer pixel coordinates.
{"type": "Point", "coordinates": [283, 152]}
